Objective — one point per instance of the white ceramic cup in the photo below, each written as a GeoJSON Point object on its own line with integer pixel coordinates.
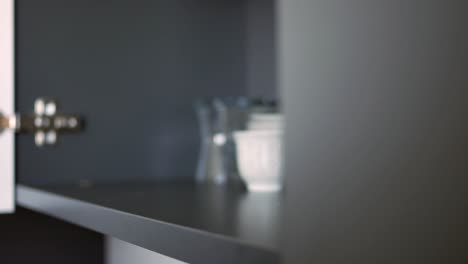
{"type": "Point", "coordinates": [264, 121]}
{"type": "Point", "coordinates": [259, 159]}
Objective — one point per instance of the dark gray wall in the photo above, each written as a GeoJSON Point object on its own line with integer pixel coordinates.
{"type": "Point", "coordinates": [133, 69]}
{"type": "Point", "coordinates": [261, 48]}
{"type": "Point", "coordinates": [377, 149]}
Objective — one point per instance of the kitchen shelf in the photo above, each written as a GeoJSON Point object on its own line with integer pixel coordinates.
{"type": "Point", "coordinates": [191, 223]}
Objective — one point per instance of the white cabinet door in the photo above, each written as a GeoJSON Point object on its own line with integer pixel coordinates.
{"type": "Point", "coordinates": [7, 202]}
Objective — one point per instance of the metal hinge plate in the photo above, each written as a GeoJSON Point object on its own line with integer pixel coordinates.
{"type": "Point", "coordinates": [45, 123]}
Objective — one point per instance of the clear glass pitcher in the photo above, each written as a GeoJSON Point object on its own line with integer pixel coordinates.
{"type": "Point", "coordinates": [218, 119]}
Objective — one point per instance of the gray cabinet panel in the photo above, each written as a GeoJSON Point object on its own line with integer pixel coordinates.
{"type": "Point", "coordinates": [376, 141]}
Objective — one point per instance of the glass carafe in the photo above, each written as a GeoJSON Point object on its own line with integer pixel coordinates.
{"type": "Point", "coordinates": [218, 118]}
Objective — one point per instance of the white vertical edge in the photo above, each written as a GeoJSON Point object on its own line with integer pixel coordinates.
{"type": "Point", "coordinates": [7, 168]}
